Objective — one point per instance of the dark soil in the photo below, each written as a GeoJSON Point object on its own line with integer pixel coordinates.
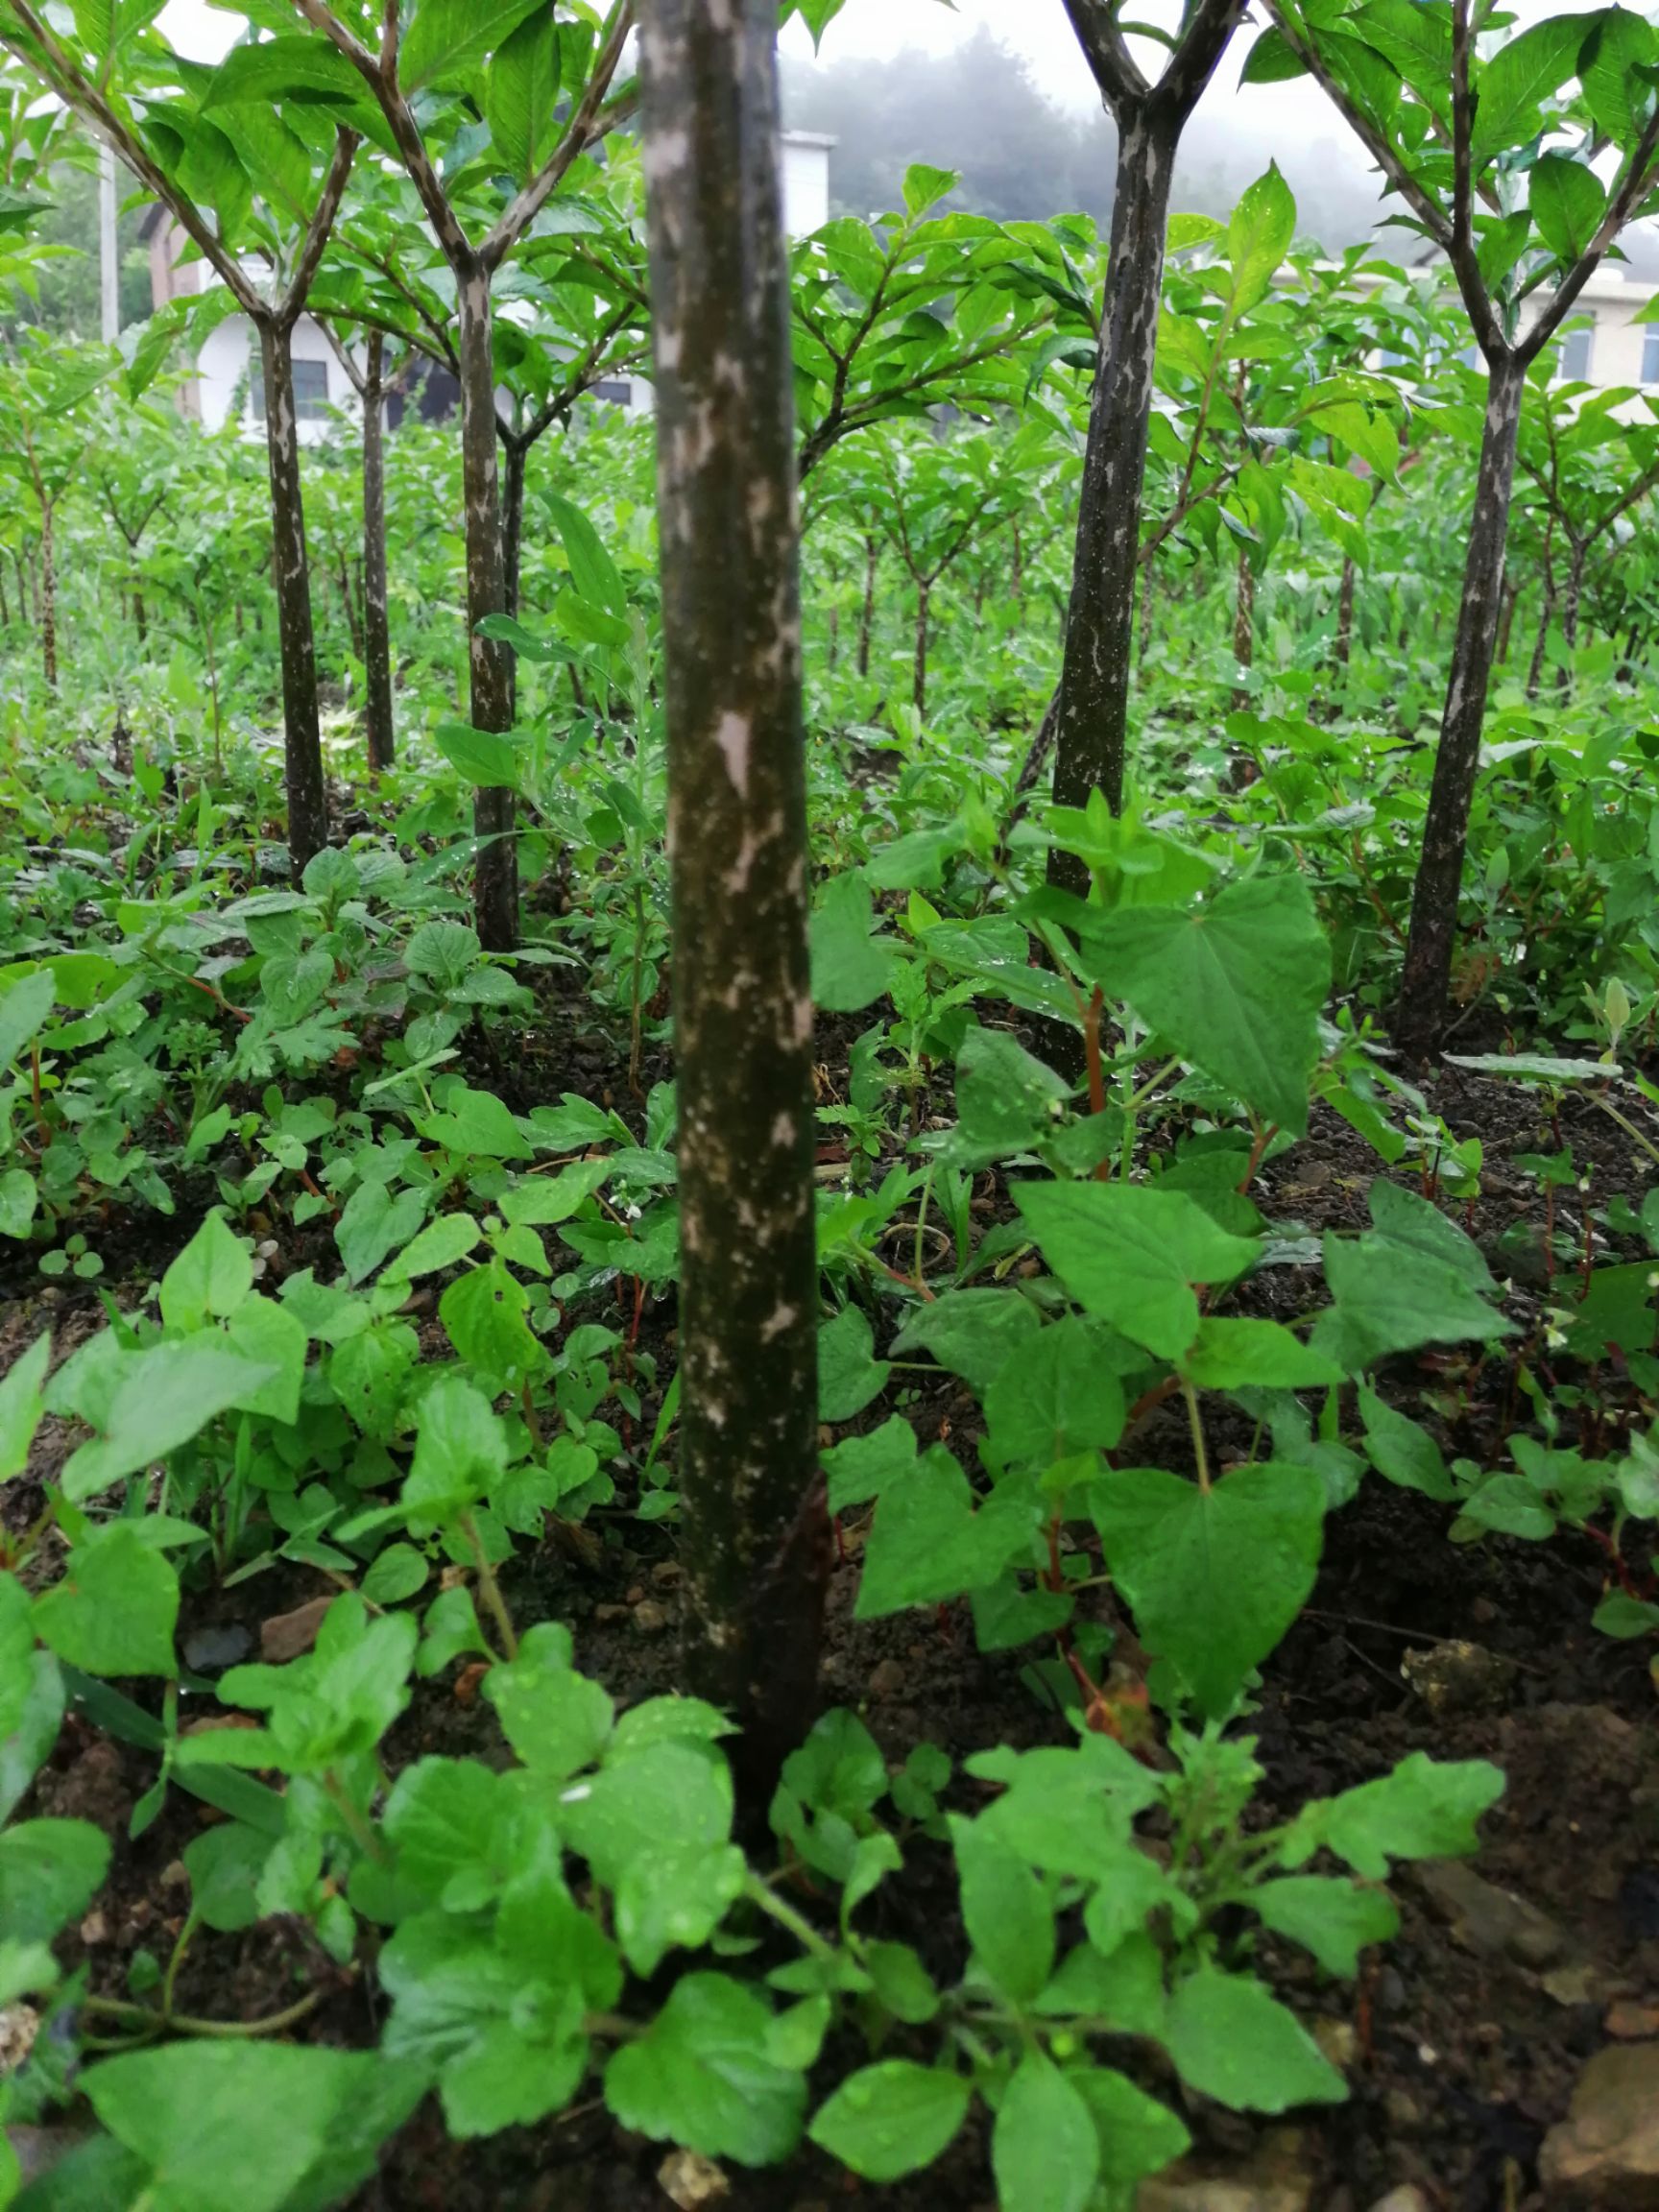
{"type": "Point", "coordinates": [1460, 2058]}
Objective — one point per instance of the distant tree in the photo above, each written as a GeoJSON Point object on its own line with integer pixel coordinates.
{"type": "Point", "coordinates": [974, 110]}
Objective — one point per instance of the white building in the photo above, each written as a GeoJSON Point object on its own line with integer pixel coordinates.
{"type": "Point", "coordinates": [228, 375]}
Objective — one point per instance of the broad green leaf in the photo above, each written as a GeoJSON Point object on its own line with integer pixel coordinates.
{"type": "Point", "coordinates": [1422, 1810]}
{"type": "Point", "coordinates": [973, 1333]}
{"type": "Point", "coordinates": [449, 37]}
{"type": "Point", "coordinates": [1568, 202]}
{"type": "Point", "coordinates": [23, 1010]}
{"type": "Point", "coordinates": [1213, 1578]}
{"type": "Point", "coordinates": [850, 966]}
{"type": "Point", "coordinates": [1232, 2040]}
{"type": "Point", "coordinates": [476, 1121]}
{"type": "Point", "coordinates": [1133, 1255]}
{"type": "Point", "coordinates": [849, 1374]}
{"type": "Point", "coordinates": [483, 1313]}
{"type": "Point", "coordinates": [21, 1407]}
{"type": "Point", "coordinates": [1005, 1908]}
{"type": "Point", "coordinates": [209, 1279]}
{"type": "Point", "coordinates": [1271, 61]}
{"type": "Point", "coordinates": [522, 97]}
{"type": "Point", "coordinates": [481, 756]}
{"type": "Point", "coordinates": [1258, 235]}
{"type": "Point", "coordinates": [1392, 1297]}
{"type": "Point", "coordinates": [1044, 2150]}
{"type": "Point", "coordinates": [19, 1202]}
{"type": "Point", "coordinates": [1511, 87]}
{"type": "Point", "coordinates": [1067, 1811]}
{"type": "Point", "coordinates": [1006, 1099]}
{"type": "Point", "coordinates": [930, 1542]}
{"type": "Point", "coordinates": [115, 1611]}
{"type": "Point", "coordinates": [592, 571]}
{"type": "Point", "coordinates": [1236, 1355]}
{"type": "Point", "coordinates": [1406, 1217]}
{"type": "Point", "coordinates": [224, 1866]}
{"type": "Point", "coordinates": [892, 2118]}
{"type": "Point", "coordinates": [250, 2127]}
{"type": "Point", "coordinates": [156, 1400]}
{"type": "Point", "coordinates": [49, 1872]}
{"type": "Point", "coordinates": [439, 1245]}
{"type": "Point", "coordinates": [1058, 1395]}
{"type": "Point", "coordinates": [1403, 1451]}
{"type": "Point", "coordinates": [702, 2076]}
{"type": "Point", "coordinates": [1139, 2136]}
{"type": "Point", "coordinates": [1235, 983]}
{"type": "Point", "coordinates": [924, 187]}
{"type": "Point", "coordinates": [1333, 1919]}
{"type": "Point", "coordinates": [1612, 65]}
{"type": "Point", "coordinates": [557, 1721]}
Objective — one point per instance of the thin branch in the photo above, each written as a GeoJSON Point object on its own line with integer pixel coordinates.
{"type": "Point", "coordinates": [317, 230]}
{"type": "Point", "coordinates": [1117, 72]}
{"type": "Point", "coordinates": [580, 133]}
{"type": "Point", "coordinates": [1197, 50]}
{"type": "Point", "coordinates": [1639, 181]}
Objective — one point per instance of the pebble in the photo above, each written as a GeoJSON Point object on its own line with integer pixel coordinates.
{"type": "Point", "coordinates": [1404, 2113]}
{"type": "Point", "coordinates": [176, 1875]}
{"type": "Point", "coordinates": [1460, 1677]}
{"type": "Point", "coordinates": [1276, 2179]}
{"type": "Point", "coordinates": [210, 1651]}
{"type": "Point", "coordinates": [886, 1679]}
{"type": "Point", "coordinates": [95, 1928]}
{"type": "Point", "coordinates": [689, 2181]}
{"type": "Point", "coordinates": [650, 1618]}
{"type": "Point", "coordinates": [289, 1636]}
{"type": "Point", "coordinates": [1604, 2157]}
{"type": "Point", "coordinates": [1407, 2197]}
{"type": "Point", "coordinates": [1339, 2041]}
{"type": "Point", "coordinates": [1631, 2022]}
{"type": "Point", "coordinates": [666, 1573]}
{"type": "Point", "coordinates": [1491, 1922]}
{"type": "Point", "coordinates": [607, 1614]}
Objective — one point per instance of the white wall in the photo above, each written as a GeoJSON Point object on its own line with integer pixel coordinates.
{"type": "Point", "coordinates": [805, 182]}
{"type": "Point", "coordinates": [230, 361]}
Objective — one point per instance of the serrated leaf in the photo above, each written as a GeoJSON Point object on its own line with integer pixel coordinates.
{"type": "Point", "coordinates": [1133, 1254]}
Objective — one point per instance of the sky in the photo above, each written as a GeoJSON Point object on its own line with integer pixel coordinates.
{"type": "Point", "coordinates": [1237, 129]}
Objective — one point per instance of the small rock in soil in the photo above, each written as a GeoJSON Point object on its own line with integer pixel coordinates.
{"type": "Point", "coordinates": [95, 1928]}
{"type": "Point", "coordinates": [690, 2180]}
{"type": "Point", "coordinates": [289, 1636]}
{"type": "Point", "coordinates": [667, 1572]}
{"type": "Point", "coordinates": [1408, 2198]}
{"type": "Point", "coordinates": [886, 1679]}
{"type": "Point", "coordinates": [1606, 2155]}
{"type": "Point", "coordinates": [93, 1788]}
{"type": "Point", "coordinates": [1339, 2041]}
{"type": "Point", "coordinates": [1276, 2179]}
{"type": "Point", "coordinates": [1491, 1922]}
{"type": "Point", "coordinates": [210, 1651]}
{"type": "Point", "coordinates": [650, 1618]}
{"type": "Point", "coordinates": [19, 2025]}
{"type": "Point", "coordinates": [1460, 1677]}
{"type": "Point", "coordinates": [1630, 2023]}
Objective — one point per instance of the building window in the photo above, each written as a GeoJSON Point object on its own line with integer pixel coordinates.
{"type": "Point", "coordinates": [1650, 356]}
{"type": "Point", "coordinates": [310, 391]}
{"type": "Point", "coordinates": [1572, 355]}
{"type": "Point", "coordinates": [616, 388]}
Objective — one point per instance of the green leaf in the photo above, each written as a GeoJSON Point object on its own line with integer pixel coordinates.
{"type": "Point", "coordinates": [245, 2127]}
{"type": "Point", "coordinates": [850, 967]}
{"type": "Point", "coordinates": [481, 756]}
{"type": "Point", "coordinates": [973, 1333]}
{"type": "Point", "coordinates": [1229, 1354]}
{"type": "Point", "coordinates": [1568, 202]}
{"type": "Point", "coordinates": [1057, 1395]}
{"type": "Point", "coordinates": [1403, 1451]}
{"type": "Point", "coordinates": [1422, 1810]}
{"type": "Point", "coordinates": [1258, 235]}
{"type": "Point", "coordinates": [1333, 1919]}
{"type": "Point", "coordinates": [592, 571]}
{"type": "Point", "coordinates": [439, 1245]}
{"type": "Point", "coordinates": [1006, 1099]}
{"type": "Point", "coordinates": [155, 1400]}
{"type": "Point", "coordinates": [1139, 2136]}
{"type": "Point", "coordinates": [23, 1009]}
{"type": "Point", "coordinates": [924, 187]}
{"type": "Point", "coordinates": [1271, 61]}
{"type": "Point", "coordinates": [702, 2076]}
{"type": "Point", "coordinates": [476, 1121]}
{"type": "Point", "coordinates": [521, 98]}
{"type": "Point", "coordinates": [1235, 983]}
{"type": "Point", "coordinates": [1044, 2150]}
{"type": "Point", "coordinates": [49, 1872]}
{"type": "Point", "coordinates": [116, 1609]}
{"type": "Point", "coordinates": [209, 1279]}
{"type": "Point", "coordinates": [1133, 1255]}
{"type": "Point", "coordinates": [19, 1202]}
{"type": "Point", "coordinates": [892, 2118]}
{"type": "Point", "coordinates": [1005, 1908]}
{"type": "Point", "coordinates": [849, 1374]}
{"type": "Point", "coordinates": [224, 1866]}
{"type": "Point", "coordinates": [1232, 2040]}
{"type": "Point", "coordinates": [1510, 90]}
{"type": "Point", "coordinates": [1213, 1578]}
{"type": "Point", "coordinates": [1068, 1810]}
{"type": "Point", "coordinates": [21, 1407]}
{"type": "Point", "coordinates": [1391, 1298]}
{"type": "Point", "coordinates": [1612, 64]}
{"type": "Point", "coordinates": [449, 37]}
{"type": "Point", "coordinates": [556, 1719]}
{"type": "Point", "coordinates": [484, 1313]}
{"type": "Point", "coordinates": [929, 1541]}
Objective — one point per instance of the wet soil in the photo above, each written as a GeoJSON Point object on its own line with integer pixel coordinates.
{"type": "Point", "coordinates": [1460, 2052]}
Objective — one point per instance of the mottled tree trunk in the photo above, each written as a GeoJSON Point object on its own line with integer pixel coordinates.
{"type": "Point", "coordinates": [495, 873]}
{"type": "Point", "coordinates": [1344, 647]}
{"type": "Point", "coordinates": [302, 719]}
{"type": "Point", "coordinates": [1541, 644]}
{"type": "Point", "coordinates": [919, 673]}
{"type": "Point", "coordinates": [755, 1530]}
{"type": "Point", "coordinates": [1420, 1017]}
{"type": "Point", "coordinates": [513, 518]}
{"type": "Point", "coordinates": [1570, 606]}
{"type": "Point", "coordinates": [867, 614]}
{"type": "Point", "coordinates": [48, 598]}
{"type": "Point", "coordinates": [1090, 729]}
{"type": "Point", "coordinates": [141, 620]}
{"type": "Point", "coordinates": [1244, 627]}
{"type": "Point", "coordinates": [1149, 594]}
{"type": "Point", "coordinates": [382, 711]}
{"type": "Point", "coordinates": [1506, 620]}
{"type": "Point", "coordinates": [5, 604]}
